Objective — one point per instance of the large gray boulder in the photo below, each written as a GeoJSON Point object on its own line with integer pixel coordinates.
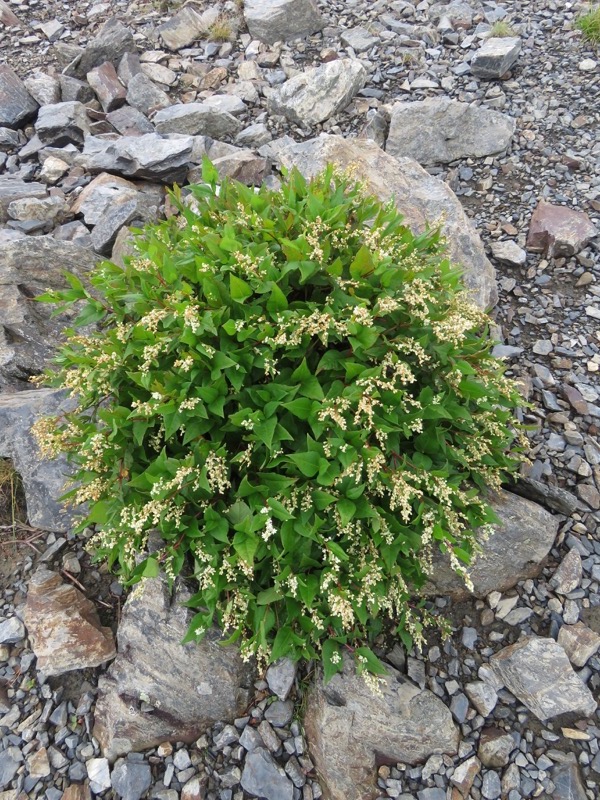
{"type": "Point", "coordinates": [43, 480]}
{"type": "Point", "coordinates": [439, 130]}
{"type": "Point", "coordinates": [318, 93]}
{"type": "Point", "coordinates": [28, 332]}
{"type": "Point", "coordinates": [350, 729]}
{"type": "Point", "coordinates": [515, 551]}
{"type": "Point", "coordinates": [158, 689]}
{"type": "Point", "coordinates": [279, 20]}
{"type": "Point", "coordinates": [421, 198]}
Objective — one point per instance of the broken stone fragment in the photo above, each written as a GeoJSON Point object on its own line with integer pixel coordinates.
{"type": "Point", "coordinates": [144, 95]}
{"type": "Point", "coordinates": [579, 643]}
{"type": "Point", "coordinates": [196, 119]}
{"type": "Point", "coordinates": [187, 25]}
{"type": "Point", "coordinates": [558, 230]}
{"type": "Point", "coordinates": [62, 123]}
{"type": "Point", "coordinates": [273, 21]}
{"type": "Point", "coordinates": [16, 104]}
{"type": "Point", "coordinates": [495, 57]}
{"type": "Point", "coordinates": [63, 626]}
{"type": "Point", "coordinates": [111, 43]}
{"type": "Point", "coordinates": [109, 90]}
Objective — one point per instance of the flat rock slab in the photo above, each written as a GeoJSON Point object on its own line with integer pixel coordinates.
{"type": "Point", "coordinates": [62, 124]}
{"type": "Point", "coordinates": [318, 93]}
{"type": "Point", "coordinates": [439, 130]}
{"type": "Point", "coordinates": [558, 230]}
{"type": "Point", "coordinates": [190, 686]}
{"type": "Point", "coordinates": [197, 119]}
{"type": "Point", "coordinates": [421, 198]}
{"type": "Point", "coordinates": [515, 551]}
{"type": "Point", "coordinates": [63, 626]}
{"type": "Point", "coordinates": [539, 674]}
{"type": "Point", "coordinates": [109, 90]}
{"type": "Point", "coordinates": [150, 156]}
{"type": "Point", "coordinates": [14, 188]}
{"type": "Point", "coordinates": [273, 21]}
{"type": "Point", "coordinates": [263, 777]}
{"type": "Point", "coordinates": [16, 104]}
{"type": "Point", "coordinates": [187, 25]}
{"type": "Point", "coordinates": [349, 727]}
{"type": "Point", "coordinates": [495, 57]}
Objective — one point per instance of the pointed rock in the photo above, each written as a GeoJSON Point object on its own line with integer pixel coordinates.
{"type": "Point", "coordinates": [111, 43]}
{"type": "Point", "coordinates": [567, 576]}
{"type": "Point", "coordinates": [579, 643]}
{"type": "Point", "coordinates": [196, 119]}
{"type": "Point", "coordinates": [187, 25]}
{"type": "Point", "coordinates": [273, 21]}
{"type": "Point", "coordinates": [150, 156]}
{"type": "Point", "coordinates": [109, 90]}
{"type": "Point", "coordinates": [62, 124]}
{"type": "Point", "coordinates": [144, 95]}
{"type": "Point", "coordinates": [16, 104]}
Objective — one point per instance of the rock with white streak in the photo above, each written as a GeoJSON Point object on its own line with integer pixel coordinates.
{"type": "Point", "coordinates": [495, 57]}
{"type": "Point", "coordinates": [280, 20]}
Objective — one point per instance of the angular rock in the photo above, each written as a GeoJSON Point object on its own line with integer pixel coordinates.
{"type": "Point", "coordinates": [186, 26]}
{"type": "Point", "coordinates": [568, 783]}
{"type": "Point", "coordinates": [10, 761]}
{"type": "Point", "coordinates": [568, 574]}
{"type": "Point", "coordinates": [421, 198]}
{"type": "Point", "coordinates": [130, 122]}
{"type": "Point", "coordinates": [495, 57]}
{"type": "Point", "coordinates": [16, 104]}
{"type": "Point", "coordinates": [28, 331]}
{"type": "Point", "coordinates": [318, 93]}
{"type": "Point", "coordinates": [160, 74]}
{"type": "Point", "coordinates": [45, 89]}
{"type": "Point", "coordinates": [537, 671]}
{"type": "Point", "coordinates": [509, 253]}
{"type": "Point", "coordinates": [359, 39]}
{"type": "Point", "coordinates": [8, 17]}
{"type": "Point", "coordinates": [514, 551]}
{"type": "Point", "coordinates": [129, 65]}
{"type": "Point", "coordinates": [62, 124]}
{"type": "Point", "coordinates": [12, 188]}
{"type": "Point", "coordinates": [439, 130]}
{"type": "Point", "coordinates": [262, 777]}
{"type": "Point", "coordinates": [150, 156]}
{"type": "Point", "coordinates": [254, 135]}
{"type": "Point", "coordinates": [130, 779]}
{"type": "Point", "coordinates": [109, 90]}
{"type": "Point", "coordinates": [74, 89]}
{"type": "Point", "coordinates": [122, 212]}
{"type": "Point", "coordinates": [12, 631]}
{"type": "Point", "coordinates": [204, 682]}
{"type": "Point", "coordinates": [63, 626]}
{"type": "Point", "coordinates": [53, 169]}
{"type": "Point", "coordinates": [98, 770]}
{"type": "Point", "coordinates": [558, 230]}
{"type": "Point", "coordinates": [77, 791]}
{"type": "Point", "coordinates": [579, 643]}
{"type": "Point", "coordinates": [281, 676]}
{"type": "Point", "coordinates": [145, 96]}
{"type": "Point", "coordinates": [111, 43]}
{"type": "Point", "coordinates": [350, 729]}
{"type": "Point", "coordinates": [495, 747]}
{"type": "Point", "coordinates": [245, 167]}
{"type": "Point", "coordinates": [196, 118]}
{"type": "Point", "coordinates": [227, 103]}
{"type": "Point", "coordinates": [97, 197]}
{"type": "Point", "coordinates": [465, 774]}
{"type": "Point", "coordinates": [483, 696]}
{"type": "Point", "coordinates": [273, 21]}
{"type": "Point", "coordinates": [44, 209]}
{"type": "Point", "coordinates": [546, 495]}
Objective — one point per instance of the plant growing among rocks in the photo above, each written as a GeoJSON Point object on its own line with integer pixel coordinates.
{"type": "Point", "coordinates": [502, 29]}
{"type": "Point", "coordinates": [295, 392]}
{"type": "Point", "coordinates": [589, 24]}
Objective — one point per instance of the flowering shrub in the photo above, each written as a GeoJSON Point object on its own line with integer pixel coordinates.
{"type": "Point", "coordinates": [295, 392]}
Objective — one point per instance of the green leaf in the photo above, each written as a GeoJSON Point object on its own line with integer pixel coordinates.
{"type": "Point", "coordinates": [283, 644]}
{"type": "Point", "coordinates": [277, 300]}
{"type": "Point", "coordinates": [301, 407]}
{"type": "Point", "coordinates": [270, 595]}
{"type": "Point", "coordinates": [246, 545]}
{"type": "Point", "coordinates": [338, 551]}
{"type": "Point", "coordinates": [265, 430]}
{"type": "Point", "coordinates": [373, 664]}
{"type": "Point", "coordinates": [239, 289]}
{"type": "Point", "coordinates": [346, 509]}
{"type": "Point", "coordinates": [362, 264]}
{"type": "Point", "coordinates": [307, 463]}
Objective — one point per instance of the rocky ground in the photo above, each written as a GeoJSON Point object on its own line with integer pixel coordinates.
{"type": "Point", "coordinates": [512, 722]}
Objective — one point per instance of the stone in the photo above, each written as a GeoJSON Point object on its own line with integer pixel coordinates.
{"type": "Point", "coordinates": [280, 713]}
{"type": "Point", "coordinates": [8, 17]}
{"type": "Point", "coordinates": [112, 42]}
{"type": "Point", "coordinates": [558, 230]}
{"type": "Point", "coordinates": [567, 781]}
{"type": "Point", "coordinates": [129, 121]}
{"type": "Point", "coordinates": [130, 779]}
{"type": "Point", "coordinates": [187, 25]}
{"type": "Point", "coordinates": [98, 770]}
{"type": "Point", "coordinates": [38, 764]}
{"type": "Point", "coordinates": [74, 89]}
{"type": "Point", "coordinates": [553, 497]}
{"type": "Point", "coordinates": [514, 551]}
{"type": "Point", "coordinates": [129, 65]}
{"type": "Point", "coordinates": [160, 74]}
{"type": "Point", "coordinates": [196, 118]}
{"type": "Point", "coordinates": [145, 96]}
{"type": "Point", "coordinates": [509, 253]}
{"type": "Point", "coordinates": [62, 124]}
{"type": "Point", "coordinates": [262, 777]}
{"type": "Point", "coordinates": [421, 198]}
{"type": "Point", "coordinates": [63, 626]}
{"type": "Point", "coordinates": [53, 169]}
{"type": "Point", "coordinates": [45, 89]}
{"type": "Point", "coordinates": [537, 671]}
{"type": "Point", "coordinates": [464, 775]}
{"type": "Point", "coordinates": [318, 93]}
{"type": "Point", "coordinates": [495, 747]}
{"type": "Point", "coordinates": [227, 103]}
{"type": "Point", "coordinates": [273, 21]}
{"type": "Point", "coordinates": [98, 196]}
{"type": "Point", "coordinates": [151, 156]}
{"type": "Point", "coordinates": [205, 682]}
{"type": "Point", "coordinates": [350, 729]}
{"type": "Point", "coordinates": [28, 332]}
{"type": "Point", "coordinates": [10, 760]}
{"type": "Point", "coordinates": [567, 576]}
{"type": "Point", "coordinates": [491, 787]}
{"type": "Point", "coordinates": [45, 209]}
{"type": "Point", "coordinates": [439, 130]}
{"type": "Point", "coordinates": [12, 188]}
{"type": "Point", "coordinates": [194, 789]}
{"type": "Point", "coordinates": [77, 791]}
{"type": "Point", "coordinates": [12, 631]}
{"type": "Point", "coordinates": [245, 167]}
{"type": "Point", "coordinates": [579, 643]}
{"type": "Point", "coordinates": [495, 57]}
{"type": "Point", "coordinates": [281, 676]}
{"type": "Point", "coordinates": [483, 696]}
{"type": "Point", "coordinates": [108, 88]}
{"type": "Point", "coordinates": [589, 494]}
{"type": "Point", "coordinates": [121, 212]}
{"type": "Point", "coordinates": [359, 39]}
{"type": "Point", "coordinates": [254, 135]}
{"type": "Point", "coordinates": [16, 104]}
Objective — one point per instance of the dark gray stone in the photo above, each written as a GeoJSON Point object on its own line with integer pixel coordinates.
{"type": "Point", "coordinates": [196, 119]}
{"type": "Point", "coordinates": [495, 57]}
{"type": "Point", "coordinates": [120, 213]}
{"type": "Point", "coordinates": [109, 89]}
{"type": "Point", "coordinates": [74, 89]}
{"type": "Point", "coordinates": [12, 629]}
{"type": "Point", "coordinates": [12, 188]}
{"type": "Point", "coordinates": [130, 779]}
{"type": "Point", "coordinates": [280, 713]}
{"type": "Point", "coordinates": [150, 156]}
{"type": "Point", "coordinates": [10, 760]}
{"type": "Point", "coordinates": [568, 783]}
{"type": "Point", "coordinates": [111, 43]}
{"type": "Point", "coordinates": [62, 124]}
{"type": "Point", "coordinates": [45, 89]}
{"type": "Point", "coordinates": [279, 20]}
{"type": "Point", "coordinates": [262, 777]}
{"type": "Point", "coordinates": [129, 121]}
{"type": "Point", "coordinates": [145, 95]}
{"type": "Point", "coordinates": [16, 104]}
{"type": "Point", "coordinates": [281, 676]}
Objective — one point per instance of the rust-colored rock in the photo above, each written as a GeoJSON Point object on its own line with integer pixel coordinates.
{"type": "Point", "coordinates": [559, 231]}
{"type": "Point", "coordinates": [109, 89]}
{"type": "Point", "coordinates": [77, 791]}
{"type": "Point", "coordinates": [7, 17]}
{"type": "Point", "coordinates": [63, 626]}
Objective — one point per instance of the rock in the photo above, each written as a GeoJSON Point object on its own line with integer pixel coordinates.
{"type": "Point", "coordinates": [8, 17]}
{"type": "Point", "coordinates": [62, 124]}
{"type": "Point", "coordinates": [145, 96]}
{"type": "Point", "coordinates": [483, 696]}
{"type": "Point", "coordinates": [280, 713]}
{"type": "Point", "coordinates": [77, 791]}
{"type": "Point", "coordinates": [16, 104]}
{"type": "Point", "coordinates": [262, 777]}
{"type": "Point", "coordinates": [160, 74]}
{"type": "Point", "coordinates": [12, 188]}
{"type": "Point", "coordinates": [45, 89]}
{"type": "Point", "coordinates": [567, 576]}
{"type": "Point", "coordinates": [186, 26]}
{"type": "Point", "coordinates": [421, 199]}
{"type": "Point", "coordinates": [439, 130]}
{"type": "Point", "coordinates": [63, 626]}
{"type": "Point", "coordinates": [553, 497]}
{"type": "Point", "coordinates": [109, 90]}
{"type": "Point", "coordinates": [579, 643]}
{"type": "Point", "coordinates": [226, 103]}
{"type": "Point", "coordinates": [130, 779]}
{"type": "Point", "coordinates": [254, 135]}
{"type": "Point", "coordinates": [348, 727]}
{"type": "Point", "coordinates": [38, 764]}
{"type": "Point", "coordinates": [29, 333]}
{"type": "Point", "coordinates": [568, 783]}
{"type": "Point", "coordinates": [495, 57]}
{"type": "Point", "coordinates": [196, 118]}
{"type": "Point", "coordinates": [509, 253]}
{"type": "Point", "coordinates": [12, 631]}
{"type": "Point", "coordinates": [151, 156]}
{"type": "Point", "coordinates": [537, 671]}
{"type": "Point", "coordinates": [359, 39]}
{"type": "Point", "coordinates": [244, 167]}
{"type": "Point", "coordinates": [464, 775]}
{"type": "Point", "coordinates": [205, 681]}
{"type": "Point", "coordinates": [129, 121]}
{"type": "Point", "coordinates": [74, 89]}
{"type": "Point", "coordinates": [558, 230]}
{"type": "Point", "coordinates": [495, 747]}
{"type": "Point", "coordinates": [53, 169]}
{"type": "Point", "coordinates": [111, 43]}
{"type": "Point", "coordinates": [10, 760]}
{"type": "Point", "coordinates": [318, 93]}
{"type": "Point", "coordinates": [491, 787]}
{"type": "Point", "coordinates": [273, 21]}
{"type": "Point", "coordinates": [121, 212]}
{"type": "Point", "coordinates": [45, 209]}
{"type": "Point", "coordinates": [98, 771]}
{"type": "Point", "coordinates": [514, 551]}
{"type": "Point", "coordinates": [281, 676]}
{"type": "Point", "coordinates": [98, 196]}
